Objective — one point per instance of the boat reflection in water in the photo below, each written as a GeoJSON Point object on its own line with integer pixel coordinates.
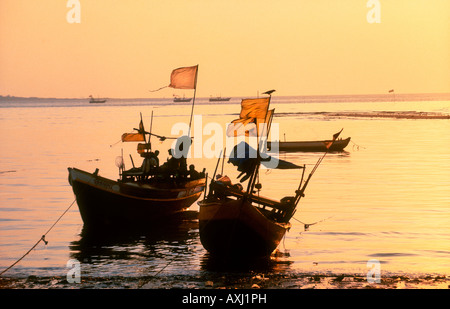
{"type": "Point", "coordinates": [243, 263]}
{"type": "Point", "coordinates": [113, 251]}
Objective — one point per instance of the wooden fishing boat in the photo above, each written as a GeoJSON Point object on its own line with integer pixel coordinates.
{"type": "Point", "coordinates": [234, 222]}
{"type": "Point", "coordinates": [93, 100]}
{"type": "Point", "coordinates": [142, 195]}
{"type": "Point", "coordinates": [239, 222]}
{"type": "Point", "coordinates": [131, 202]}
{"type": "Point", "coordinates": [219, 99]}
{"type": "Point", "coordinates": [313, 146]}
{"type": "Point", "coordinates": [147, 194]}
{"type": "Point", "coordinates": [181, 99]}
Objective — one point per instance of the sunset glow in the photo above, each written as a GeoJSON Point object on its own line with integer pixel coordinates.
{"type": "Point", "coordinates": [123, 48]}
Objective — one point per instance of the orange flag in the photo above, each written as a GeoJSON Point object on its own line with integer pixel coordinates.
{"type": "Point", "coordinates": [335, 136]}
{"type": "Point", "coordinates": [253, 113]}
{"type": "Point", "coordinates": [184, 78]}
{"type": "Point", "coordinates": [133, 137]}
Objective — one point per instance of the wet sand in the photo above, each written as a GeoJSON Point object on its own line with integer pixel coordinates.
{"type": "Point", "coordinates": [232, 281]}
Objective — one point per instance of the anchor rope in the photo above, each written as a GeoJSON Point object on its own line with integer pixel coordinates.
{"type": "Point", "coordinates": [41, 239]}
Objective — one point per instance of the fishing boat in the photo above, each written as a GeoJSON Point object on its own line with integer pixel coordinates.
{"type": "Point", "coordinates": [93, 100]}
{"type": "Point", "coordinates": [142, 194]}
{"type": "Point", "coordinates": [313, 146]}
{"type": "Point", "coordinates": [150, 193]}
{"type": "Point", "coordinates": [179, 99]}
{"type": "Point", "coordinates": [234, 221]}
{"type": "Point", "coordinates": [219, 99]}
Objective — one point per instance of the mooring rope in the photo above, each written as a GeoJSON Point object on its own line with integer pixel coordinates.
{"type": "Point", "coordinates": [154, 276]}
{"type": "Point", "coordinates": [357, 146]}
{"type": "Point", "coordinates": [41, 239]}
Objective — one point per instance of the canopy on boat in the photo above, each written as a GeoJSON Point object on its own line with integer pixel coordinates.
{"type": "Point", "coordinates": [243, 155]}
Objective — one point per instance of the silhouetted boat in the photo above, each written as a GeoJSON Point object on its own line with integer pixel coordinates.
{"type": "Point", "coordinates": [234, 221]}
{"type": "Point", "coordinates": [317, 146]}
{"type": "Point", "coordinates": [93, 100]}
{"type": "Point", "coordinates": [106, 202]}
{"type": "Point", "coordinates": [219, 99]}
{"type": "Point", "coordinates": [141, 195]}
{"type": "Point", "coordinates": [179, 99]}
{"type": "Point", "coordinates": [149, 193]}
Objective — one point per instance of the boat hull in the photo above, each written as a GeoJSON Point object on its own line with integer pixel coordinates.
{"type": "Point", "coordinates": [102, 201]}
{"type": "Point", "coordinates": [238, 228]}
{"type": "Point", "coordinates": [312, 146]}
{"type": "Point", "coordinates": [182, 100]}
{"type": "Point", "coordinates": [219, 99]}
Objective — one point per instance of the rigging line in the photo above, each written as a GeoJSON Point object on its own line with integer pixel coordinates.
{"type": "Point", "coordinates": [307, 225]}
{"type": "Point", "coordinates": [159, 271]}
{"type": "Point", "coordinates": [41, 239]}
{"type": "Point", "coordinates": [357, 146]}
{"type": "Point", "coordinates": [158, 89]}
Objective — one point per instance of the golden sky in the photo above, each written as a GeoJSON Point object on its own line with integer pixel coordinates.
{"type": "Point", "coordinates": [299, 47]}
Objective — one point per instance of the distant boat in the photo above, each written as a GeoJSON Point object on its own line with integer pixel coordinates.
{"type": "Point", "coordinates": [183, 99]}
{"type": "Point", "coordinates": [93, 100]}
{"type": "Point", "coordinates": [218, 99]}
{"type": "Point", "coordinates": [313, 146]}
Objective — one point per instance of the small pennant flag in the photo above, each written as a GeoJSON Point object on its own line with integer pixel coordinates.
{"type": "Point", "coordinates": [135, 137]}
{"type": "Point", "coordinates": [335, 136]}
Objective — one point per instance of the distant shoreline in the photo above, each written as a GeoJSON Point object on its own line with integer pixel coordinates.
{"type": "Point", "coordinates": [387, 97]}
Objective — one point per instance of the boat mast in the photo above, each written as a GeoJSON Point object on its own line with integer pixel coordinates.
{"type": "Point", "coordinates": [253, 178]}
{"type": "Point", "coordinates": [150, 135]}
{"type": "Point", "coordinates": [300, 192]}
{"type": "Point", "coordinates": [193, 102]}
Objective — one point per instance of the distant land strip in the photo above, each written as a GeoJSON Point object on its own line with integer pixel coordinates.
{"type": "Point", "coordinates": [397, 115]}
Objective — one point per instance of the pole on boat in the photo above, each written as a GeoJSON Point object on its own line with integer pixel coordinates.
{"type": "Point", "coordinates": [193, 101]}
{"type": "Point", "coordinates": [142, 129]}
{"type": "Point", "coordinates": [253, 178]}
{"type": "Point", "coordinates": [214, 175]}
{"type": "Point", "coordinates": [150, 135]}
{"type": "Point", "coordinates": [300, 192]}
{"type": "Point", "coordinates": [223, 159]}
{"type": "Point", "coordinates": [217, 164]}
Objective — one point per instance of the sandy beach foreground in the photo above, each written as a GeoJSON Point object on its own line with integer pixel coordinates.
{"type": "Point", "coordinates": [232, 281]}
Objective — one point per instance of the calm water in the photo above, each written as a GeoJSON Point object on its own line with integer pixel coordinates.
{"type": "Point", "coordinates": [386, 198]}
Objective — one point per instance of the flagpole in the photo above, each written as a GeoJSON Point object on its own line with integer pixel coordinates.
{"type": "Point", "coordinates": [301, 190]}
{"type": "Point", "coordinates": [193, 101]}
{"type": "Point", "coordinates": [253, 178]}
{"type": "Point", "coordinates": [145, 139]}
{"type": "Point", "coordinates": [150, 135]}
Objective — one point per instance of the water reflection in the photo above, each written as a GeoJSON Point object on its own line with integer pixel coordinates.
{"type": "Point", "coordinates": [119, 245]}
{"type": "Point", "coordinates": [277, 262]}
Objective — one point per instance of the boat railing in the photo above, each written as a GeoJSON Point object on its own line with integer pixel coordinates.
{"type": "Point", "coordinates": [281, 210]}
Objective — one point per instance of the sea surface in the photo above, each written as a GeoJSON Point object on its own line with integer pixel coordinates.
{"type": "Point", "coordinates": [385, 199]}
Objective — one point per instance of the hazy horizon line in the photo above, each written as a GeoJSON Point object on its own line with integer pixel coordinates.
{"type": "Point", "coordinates": [235, 97]}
